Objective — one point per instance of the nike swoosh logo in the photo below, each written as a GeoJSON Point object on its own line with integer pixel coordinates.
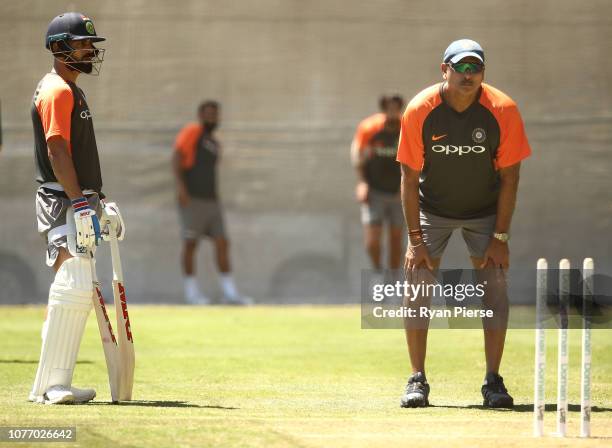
{"type": "Point", "coordinates": [435, 138]}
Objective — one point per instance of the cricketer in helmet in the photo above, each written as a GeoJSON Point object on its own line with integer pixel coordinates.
{"type": "Point", "coordinates": [71, 215]}
{"type": "Point", "coordinates": [70, 38]}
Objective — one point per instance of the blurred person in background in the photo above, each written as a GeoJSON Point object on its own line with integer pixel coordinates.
{"type": "Point", "coordinates": [373, 153]}
{"type": "Point", "coordinates": [196, 155]}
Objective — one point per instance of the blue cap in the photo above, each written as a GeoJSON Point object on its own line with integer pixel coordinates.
{"type": "Point", "coordinates": [463, 48]}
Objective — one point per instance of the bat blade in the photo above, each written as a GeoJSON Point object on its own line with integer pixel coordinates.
{"type": "Point", "coordinates": [109, 343]}
{"type": "Point", "coordinates": [125, 343]}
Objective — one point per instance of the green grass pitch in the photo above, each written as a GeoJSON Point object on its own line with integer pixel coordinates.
{"type": "Point", "coordinates": [304, 376]}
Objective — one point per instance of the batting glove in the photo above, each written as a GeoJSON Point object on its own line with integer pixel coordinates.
{"type": "Point", "coordinates": [87, 225]}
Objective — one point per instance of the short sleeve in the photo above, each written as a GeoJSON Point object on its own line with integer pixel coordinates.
{"type": "Point", "coordinates": [359, 138]}
{"type": "Point", "coordinates": [55, 110]}
{"type": "Point", "coordinates": [366, 130]}
{"type": "Point", "coordinates": [410, 151]}
{"type": "Point", "coordinates": [513, 144]}
{"type": "Point", "coordinates": [185, 144]}
{"type": "Point", "coordinates": [182, 139]}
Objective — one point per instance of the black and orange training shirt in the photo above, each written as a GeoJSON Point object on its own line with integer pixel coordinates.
{"type": "Point", "coordinates": [59, 108]}
{"type": "Point", "coordinates": [377, 149]}
{"type": "Point", "coordinates": [459, 154]}
{"type": "Point", "coordinates": [382, 172]}
{"type": "Point", "coordinates": [199, 153]}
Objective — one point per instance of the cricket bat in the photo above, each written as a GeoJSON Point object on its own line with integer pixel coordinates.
{"type": "Point", "coordinates": [109, 342]}
{"type": "Point", "coordinates": [125, 342]}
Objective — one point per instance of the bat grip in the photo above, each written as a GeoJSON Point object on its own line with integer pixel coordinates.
{"type": "Point", "coordinates": [116, 258]}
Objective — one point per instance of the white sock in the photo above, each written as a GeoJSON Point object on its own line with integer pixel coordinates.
{"type": "Point", "coordinates": [191, 286]}
{"type": "Point", "coordinates": [228, 285]}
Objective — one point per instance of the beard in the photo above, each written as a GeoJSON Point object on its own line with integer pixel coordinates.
{"type": "Point", "coordinates": [88, 64]}
{"type": "Point", "coordinates": [209, 126]}
{"type": "Point", "coordinates": [392, 124]}
{"type": "Point", "coordinates": [83, 67]}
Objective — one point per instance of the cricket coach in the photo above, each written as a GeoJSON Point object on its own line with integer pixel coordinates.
{"type": "Point", "coordinates": [460, 149]}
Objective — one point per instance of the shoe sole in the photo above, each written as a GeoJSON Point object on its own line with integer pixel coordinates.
{"type": "Point", "coordinates": [84, 400]}
{"type": "Point", "coordinates": [509, 405]}
{"type": "Point", "coordinates": [68, 399]}
{"type": "Point", "coordinates": [415, 404]}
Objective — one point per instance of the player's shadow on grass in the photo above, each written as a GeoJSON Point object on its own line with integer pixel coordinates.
{"type": "Point", "coordinates": [529, 408]}
{"type": "Point", "coordinates": [30, 361]}
{"type": "Point", "coordinates": [520, 407]}
{"type": "Point", "coordinates": [159, 404]}
{"type": "Point", "coordinates": [553, 407]}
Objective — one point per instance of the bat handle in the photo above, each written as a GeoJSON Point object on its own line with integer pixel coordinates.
{"type": "Point", "coordinates": [116, 258]}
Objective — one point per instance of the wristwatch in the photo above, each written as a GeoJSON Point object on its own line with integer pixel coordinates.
{"type": "Point", "coordinates": [503, 237]}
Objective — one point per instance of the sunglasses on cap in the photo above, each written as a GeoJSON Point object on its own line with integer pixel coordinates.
{"type": "Point", "coordinates": [466, 67]}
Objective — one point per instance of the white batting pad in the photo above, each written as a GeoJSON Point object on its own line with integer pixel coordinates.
{"type": "Point", "coordinates": [69, 304]}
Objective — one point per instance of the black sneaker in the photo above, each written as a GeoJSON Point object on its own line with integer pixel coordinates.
{"type": "Point", "coordinates": [495, 393]}
{"type": "Point", "coordinates": [417, 392]}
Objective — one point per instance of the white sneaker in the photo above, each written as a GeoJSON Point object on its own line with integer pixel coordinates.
{"type": "Point", "coordinates": [193, 295]}
{"type": "Point", "coordinates": [237, 300]}
{"type": "Point", "coordinates": [82, 395]}
{"type": "Point", "coordinates": [197, 299]}
{"type": "Point", "coordinates": [61, 395]}
{"type": "Point", "coordinates": [36, 399]}
{"type": "Point", "coordinates": [58, 395]}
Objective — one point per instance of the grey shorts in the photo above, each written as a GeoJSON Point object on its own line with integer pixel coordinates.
{"type": "Point", "coordinates": [476, 233]}
{"type": "Point", "coordinates": [56, 220]}
{"type": "Point", "coordinates": [202, 218]}
{"type": "Point", "coordinates": [382, 207]}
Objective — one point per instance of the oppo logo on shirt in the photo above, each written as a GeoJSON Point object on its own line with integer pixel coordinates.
{"type": "Point", "coordinates": [461, 150]}
{"type": "Point", "coordinates": [86, 115]}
